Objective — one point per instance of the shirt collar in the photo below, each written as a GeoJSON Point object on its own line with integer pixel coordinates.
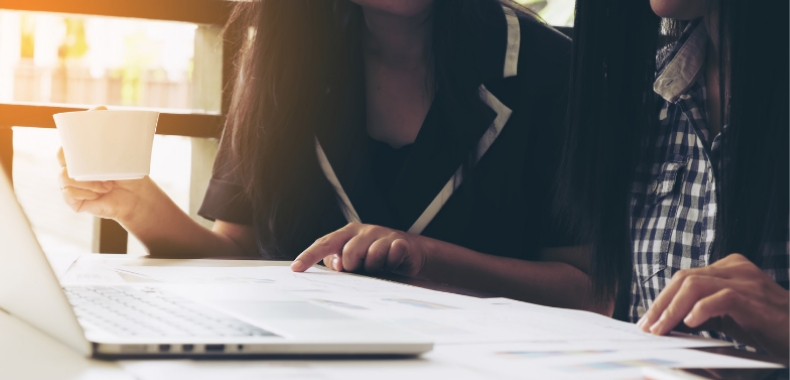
{"type": "Point", "coordinates": [684, 63]}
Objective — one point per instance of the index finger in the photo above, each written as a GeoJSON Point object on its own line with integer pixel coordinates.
{"type": "Point", "coordinates": [323, 247]}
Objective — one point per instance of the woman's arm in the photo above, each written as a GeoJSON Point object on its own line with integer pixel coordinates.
{"type": "Point", "coordinates": [554, 281]}
{"type": "Point", "coordinates": [561, 280]}
{"type": "Point", "coordinates": [168, 231]}
{"type": "Point", "coordinates": [150, 215]}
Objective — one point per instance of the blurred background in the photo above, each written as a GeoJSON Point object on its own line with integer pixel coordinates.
{"type": "Point", "coordinates": [50, 58]}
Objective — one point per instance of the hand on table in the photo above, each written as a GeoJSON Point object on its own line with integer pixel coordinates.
{"type": "Point", "coordinates": [733, 296]}
{"type": "Point", "coordinates": [364, 247]}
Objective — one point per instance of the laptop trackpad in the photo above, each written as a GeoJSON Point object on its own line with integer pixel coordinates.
{"type": "Point", "coordinates": [272, 310]}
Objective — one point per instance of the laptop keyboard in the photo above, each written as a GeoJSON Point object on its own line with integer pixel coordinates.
{"type": "Point", "coordinates": [151, 313]}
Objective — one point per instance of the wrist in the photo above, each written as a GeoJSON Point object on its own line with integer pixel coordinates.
{"type": "Point", "coordinates": [425, 248]}
{"type": "Point", "coordinates": [139, 205]}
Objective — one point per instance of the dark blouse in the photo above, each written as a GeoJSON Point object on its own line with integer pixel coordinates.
{"type": "Point", "coordinates": [502, 207]}
{"type": "Point", "coordinates": [387, 160]}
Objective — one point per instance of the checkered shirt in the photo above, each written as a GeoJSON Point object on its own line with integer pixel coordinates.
{"type": "Point", "coordinates": [673, 206]}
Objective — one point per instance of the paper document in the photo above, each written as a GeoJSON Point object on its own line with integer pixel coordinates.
{"type": "Point", "coordinates": [475, 338]}
{"type": "Point", "coordinates": [96, 269]}
{"type": "Point", "coordinates": [581, 364]}
{"type": "Point", "coordinates": [443, 318]}
{"type": "Point", "coordinates": [279, 277]}
{"type": "Point", "coordinates": [449, 362]}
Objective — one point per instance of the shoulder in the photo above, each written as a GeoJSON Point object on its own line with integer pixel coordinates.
{"type": "Point", "coordinates": [519, 44]}
{"type": "Point", "coordinates": [511, 37]}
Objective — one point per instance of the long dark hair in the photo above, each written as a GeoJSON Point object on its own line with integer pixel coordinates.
{"type": "Point", "coordinates": [612, 114]}
{"type": "Point", "coordinates": [300, 71]}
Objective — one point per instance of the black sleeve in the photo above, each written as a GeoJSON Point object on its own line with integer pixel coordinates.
{"type": "Point", "coordinates": [544, 80]}
{"type": "Point", "coordinates": [225, 198]}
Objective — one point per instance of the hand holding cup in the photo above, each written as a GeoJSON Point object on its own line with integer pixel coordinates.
{"type": "Point", "coordinates": [104, 188]}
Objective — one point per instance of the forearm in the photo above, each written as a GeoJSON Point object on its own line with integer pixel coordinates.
{"type": "Point", "coordinates": [167, 231]}
{"type": "Point", "coordinates": [550, 283]}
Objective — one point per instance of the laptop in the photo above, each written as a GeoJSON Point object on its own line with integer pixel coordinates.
{"type": "Point", "coordinates": [115, 322]}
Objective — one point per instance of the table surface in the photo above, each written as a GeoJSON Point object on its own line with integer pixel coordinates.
{"type": "Point", "coordinates": [27, 353]}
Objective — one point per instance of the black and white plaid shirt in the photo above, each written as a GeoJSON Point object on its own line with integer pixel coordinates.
{"type": "Point", "coordinates": [673, 207]}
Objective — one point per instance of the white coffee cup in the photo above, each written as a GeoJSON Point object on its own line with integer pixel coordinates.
{"type": "Point", "coordinates": [107, 145]}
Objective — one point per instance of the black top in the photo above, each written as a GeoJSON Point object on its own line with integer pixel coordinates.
{"type": "Point", "coordinates": [503, 205]}
{"type": "Point", "coordinates": [387, 161]}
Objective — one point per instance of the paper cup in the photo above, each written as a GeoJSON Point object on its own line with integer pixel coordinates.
{"type": "Point", "coordinates": [107, 145]}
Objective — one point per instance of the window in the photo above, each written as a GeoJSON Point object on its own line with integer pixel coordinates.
{"type": "Point", "coordinates": [50, 58]}
{"type": "Point", "coordinates": [554, 12]}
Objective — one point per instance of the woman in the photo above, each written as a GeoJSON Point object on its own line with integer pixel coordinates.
{"type": "Point", "coordinates": [423, 133]}
{"type": "Point", "coordinates": [685, 168]}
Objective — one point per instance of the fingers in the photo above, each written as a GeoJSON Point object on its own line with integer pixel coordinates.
{"type": "Point", "coordinates": [75, 198]}
{"type": "Point", "coordinates": [331, 244]}
{"type": "Point", "coordinates": [80, 194]}
{"type": "Point", "coordinates": [738, 296]}
{"type": "Point", "coordinates": [724, 302]}
{"type": "Point", "coordinates": [748, 320]}
{"type": "Point", "coordinates": [73, 203]}
{"type": "Point", "coordinates": [95, 186]}
{"type": "Point", "coordinates": [376, 259]}
{"type": "Point", "coordinates": [693, 289]}
{"type": "Point", "coordinates": [661, 303]}
{"type": "Point", "coordinates": [358, 247]}
{"type": "Point", "coordinates": [332, 262]}
{"type": "Point", "coordinates": [398, 254]}
{"type": "Point", "coordinates": [355, 252]}
{"type": "Point", "coordinates": [733, 267]}
{"type": "Point", "coordinates": [65, 181]}
{"type": "Point", "coordinates": [668, 294]}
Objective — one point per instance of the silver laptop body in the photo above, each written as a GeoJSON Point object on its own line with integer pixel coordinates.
{"type": "Point", "coordinates": [150, 321]}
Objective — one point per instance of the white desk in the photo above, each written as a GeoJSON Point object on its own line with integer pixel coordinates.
{"type": "Point", "coordinates": [26, 353]}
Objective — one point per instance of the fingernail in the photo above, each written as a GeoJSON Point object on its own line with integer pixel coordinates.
{"type": "Point", "coordinates": [689, 318]}
{"type": "Point", "coordinates": [657, 326]}
{"type": "Point", "coordinates": [297, 266]}
{"type": "Point", "coordinates": [641, 321]}
{"type": "Point", "coordinates": [336, 263]}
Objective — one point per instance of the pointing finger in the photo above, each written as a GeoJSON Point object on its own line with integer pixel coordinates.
{"type": "Point", "coordinates": [323, 247]}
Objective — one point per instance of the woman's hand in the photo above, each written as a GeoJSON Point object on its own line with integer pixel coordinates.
{"type": "Point", "coordinates": [753, 308]}
{"type": "Point", "coordinates": [357, 247]}
{"type": "Point", "coordinates": [116, 200]}
{"type": "Point", "coordinates": [109, 200]}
